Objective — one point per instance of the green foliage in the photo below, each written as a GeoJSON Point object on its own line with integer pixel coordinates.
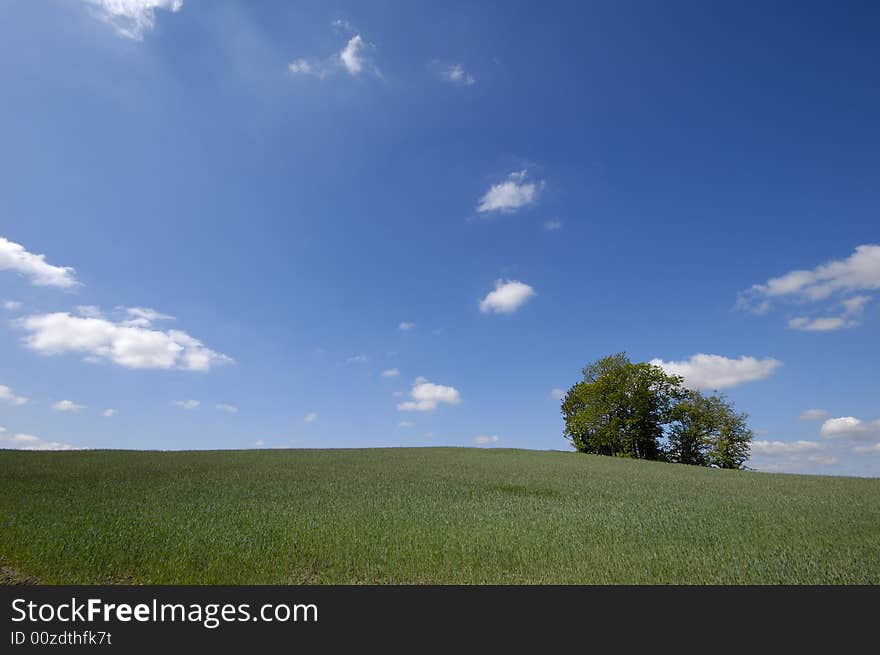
{"type": "Point", "coordinates": [637, 410]}
{"type": "Point", "coordinates": [707, 431]}
{"type": "Point", "coordinates": [425, 515]}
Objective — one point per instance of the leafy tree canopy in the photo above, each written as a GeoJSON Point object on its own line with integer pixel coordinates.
{"type": "Point", "coordinates": [627, 409]}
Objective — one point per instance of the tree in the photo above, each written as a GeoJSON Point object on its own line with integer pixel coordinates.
{"type": "Point", "coordinates": [628, 409]}
{"type": "Point", "coordinates": [620, 408]}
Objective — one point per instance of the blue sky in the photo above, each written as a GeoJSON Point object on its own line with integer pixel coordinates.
{"type": "Point", "coordinates": [529, 187]}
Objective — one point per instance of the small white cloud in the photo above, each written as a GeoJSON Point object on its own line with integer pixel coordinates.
{"type": "Point", "coordinates": [11, 305]}
{"type": "Point", "coordinates": [259, 443]}
{"type": "Point", "coordinates": [186, 404]}
{"type": "Point", "coordinates": [310, 417]}
{"type": "Point", "coordinates": [14, 257]}
{"type": "Point", "coordinates": [456, 74]}
{"type": "Point", "coordinates": [553, 226]}
{"type": "Point", "coordinates": [108, 413]}
{"type": "Point", "coordinates": [557, 393]}
{"type": "Point", "coordinates": [357, 359]}
{"type": "Point", "coordinates": [813, 415]}
{"type": "Point", "coordinates": [391, 373]}
{"type": "Point", "coordinates": [484, 440]}
{"type": "Point", "coordinates": [711, 372]}
{"type": "Point", "coordinates": [405, 326]}
{"type": "Point", "coordinates": [508, 296]}
{"type": "Point", "coordinates": [512, 194]}
{"type": "Point", "coordinates": [301, 67]}
{"type": "Point", "coordinates": [67, 406]}
{"type": "Point", "coordinates": [124, 343]}
{"type": "Point", "coordinates": [8, 396]}
{"type": "Point", "coordinates": [144, 316]}
{"type": "Point", "coordinates": [426, 396]}
{"type": "Point", "coordinates": [868, 450]}
{"type": "Point", "coordinates": [131, 18]}
{"type": "Point", "coordinates": [851, 428]}
{"type": "Point", "coordinates": [405, 424]}
{"type": "Point", "coordinates": [352, 55]}
{"type": "Point", "coordinates": [353, 59]}
{"type": "Point", "coordinates": [226, 407]}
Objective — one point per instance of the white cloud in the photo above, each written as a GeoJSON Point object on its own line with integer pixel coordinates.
{"type": "Point", "coordinates": [301, 67]}
{"type": "Point", "coordinates": [89, 311]}
{"type": "Point", "coordinates": [456, 74]}
{"type": "Point", "coordinates": [813, 415]}
{"type": "Point", "coordinates": [858, 272]}
{"type": "Point", "coordinates": [426, 396]}
{"type": "Point", "coordinates": [30, 442]}
{"type": "Point", "coordinates": [131, 18]}
{"type": "Point", "coordinates": [824, 324]}
{"type": "Point", "coordinates": [259, 443]}
{"type": "Point", "coordinates": [226, 407]}
{"type": "Point", "coordinates": [406, 325]}
{"type": "Point", "coordinates": [144, 316]}
{"type": "Point", "coordinates": [405, 424]}
{"type": "Point", "coordinates": [67, 406]}
{"type": "Point", "coordinates": [310, 417]}
{"type": "Point", "coordinates": [483, 440]}
{"type": "Point", "coordinates": [357, 359]}
{"type": "Point", "coordinates": [868, 450]}
{"type": "Point", "coordinates": [855, 304]}
{"type": "Point", "coordinates": [557, 393]}
{"type": "Point", "coordinates": [352, 55]}
{"type": "Point", "coordinates": [850, 428]}
{"type": "Point", "coordinates": [11, 305]}
{"type": "Point", "coordinates": [552, 226]}
{"type": "Point", "coordinates": [772, 448]}
{"type": "Point", "coordinates": [128, 344]}
{"type": "Point", "coordinates": [14, 257]}
{"type": "Point", "coordinates": [512, 194]}
{"type": "Point", "coordinates": [391, 373]}
{"type": "Point", "coordinates": [508, 296]}
{"type": "Point", "coordinates": [7, 395]}
{"type": "Point", "coordinates": [711, 372]}
{"type": "Point", "coordinates": [353, 59]}
{"type": "Point", "coordinates": [108, 413]}
{"type": "Point", "coordinates": [186, 404]}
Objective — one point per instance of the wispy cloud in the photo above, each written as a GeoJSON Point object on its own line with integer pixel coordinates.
{"type": "Point", "coordinates": [486, 440]}
{"type": "Point", "coordinates": [67, 406]}
{"type": "Point", "coordinates": [8, 396]}
{"type": "Point", "coordinates": [355, 58]}
{"type": "Point", "coordinates": [311, 417]}
{"type": "Point", "coordinates": [553, 225]}
{"type": "Point", "coordinates": [837, 278]}
{"type": "Point", "coordinates": [226, 407]}
{"type": "Point", "coordinates": [405, 326]}
{"type": "Point", "coordinates": [456, 74]}
{"type": "Point", "coordinates": [813, 415]}
{"type": "Point", "coordinates": [30, 442]}
{"type": "Point", "coordinates": [131, 18]}
{"type": "Point", "coordinates": [16, 258]}
{"type": "Point", "coordinates": [391, 373]}
{"type": "Point", "coordinates": [186, 404]}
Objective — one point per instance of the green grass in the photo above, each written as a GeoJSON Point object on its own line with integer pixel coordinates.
{"type": "Point", "coordinates": [426, 515]}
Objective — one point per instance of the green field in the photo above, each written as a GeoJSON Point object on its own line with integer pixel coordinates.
{"type": "Point", "coordinates": [424, 515]}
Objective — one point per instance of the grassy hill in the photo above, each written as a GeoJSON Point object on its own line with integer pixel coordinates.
{"type": "Point", "coordinates": [426, 515]}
